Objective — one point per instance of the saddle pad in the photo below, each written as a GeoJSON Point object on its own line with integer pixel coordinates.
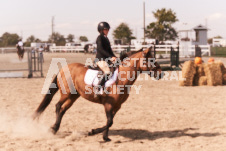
{"type": "Point", "coordinates": [91, 78]}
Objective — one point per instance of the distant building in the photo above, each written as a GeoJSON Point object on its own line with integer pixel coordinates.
{"type": "Point", "coordinates": [139, 43]}
{"type": "Point", "coordinates": [73, 44]}
{"type": "Point", "coordinates": [196, 36]}
{"type": "Point", "coordinates": [188, 38]}
{"type": "Point", "coordinates": [200, 35]}
{"type": "Point", "coordinates": [45, 45]}
{"type": "Point", "coordinates": [219, 42]}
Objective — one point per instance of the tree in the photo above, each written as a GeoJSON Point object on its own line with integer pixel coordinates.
{"type": "Point", "coordinates": [30, 40]}
{"type": "Point", "coordinates": [124, 33]}
{"type": "Point", "coordinates": [70, 38]}
{"type": "Point", "coordinates": [218, 37]}
{"type": "Point", "coordinates": [83, 38]}
{"type": "Point", "coordinates": [162, 29]}
{"type": "Point", "coordinates": [37, 40]}
{"type": "Point", "coordinates": [8, 39]}
{"type": "Point", "coordinates": [57, 38]}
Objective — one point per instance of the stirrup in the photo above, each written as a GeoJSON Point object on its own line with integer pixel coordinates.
{"type": "Point", "coordinates": [98, 91]}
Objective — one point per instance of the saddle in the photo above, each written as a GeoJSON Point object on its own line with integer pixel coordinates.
{"type": "Point", "coordinates": [94, 67]}
{"type": "Point", "coordinates": [94, 72]}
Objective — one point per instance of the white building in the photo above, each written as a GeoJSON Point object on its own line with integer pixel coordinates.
{"type": "Point", "coordinates": [139, 43]}
{"type": "Point", "coordinates": [219, 42]}
{"type": "Point", "coordinates": [200, 35]}
{"type": "Point", "coordinates": [191, 37]}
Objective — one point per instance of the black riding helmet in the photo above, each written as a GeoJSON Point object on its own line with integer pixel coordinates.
{"type": "Point", "coordinates": [102, 26]}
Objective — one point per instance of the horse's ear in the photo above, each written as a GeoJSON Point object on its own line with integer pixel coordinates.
{"type": "Point", "coordinates": [152, 52]}
{"type": "Point", "coordinates": [141, 49]}
{"type": "Point", "coordinates": [147, 52]}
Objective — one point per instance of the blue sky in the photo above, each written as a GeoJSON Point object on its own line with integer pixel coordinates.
{"type": "Point", "coordinates": [80, 17]}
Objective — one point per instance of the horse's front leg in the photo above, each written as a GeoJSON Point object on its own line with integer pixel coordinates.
{"type": "Point", "coordinates": [109, 114]}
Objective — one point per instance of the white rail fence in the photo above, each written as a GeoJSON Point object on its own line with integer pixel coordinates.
{"type": "Point", "coordinates": [66, 49]}
{"type": "Point", "coordinates": [205, 49]}
{"type": "Point", "coordinates": [164, 49]}
{"type": "Point", "coordinates": [10, 49]}
{"type": "Point", "coordinates": [185, 50]}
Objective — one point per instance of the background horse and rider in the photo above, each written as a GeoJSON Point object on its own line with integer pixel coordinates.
{"type": "Point", "coordinates": [20, 51]}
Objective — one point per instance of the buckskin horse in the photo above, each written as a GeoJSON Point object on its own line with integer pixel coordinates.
{"type": "Point", "coordinates": [112, 102]}
{"type": "Point", "coordinates": [20, 52]}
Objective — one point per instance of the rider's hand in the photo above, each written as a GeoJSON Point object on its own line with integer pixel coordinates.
{"type": "Point", "coordinates": [113, 59]}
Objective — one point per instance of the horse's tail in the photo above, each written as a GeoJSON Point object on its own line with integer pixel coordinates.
{"type": "Point", "coordinates": [47, 99]}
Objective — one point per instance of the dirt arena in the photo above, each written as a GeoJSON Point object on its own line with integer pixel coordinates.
{"type": "Point", "coordinates": [162, 117]}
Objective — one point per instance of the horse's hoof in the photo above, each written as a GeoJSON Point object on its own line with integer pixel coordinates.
{"type": "Point", "coordinates": [106, 139]}
{"type": "Point", "coordinates": [52, 130]}
{"type": "Point", "coordinates": [35, 116]}
{"type": "Point", "coordinates": [91, 133]}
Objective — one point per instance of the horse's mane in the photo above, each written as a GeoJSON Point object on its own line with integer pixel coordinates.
{"type": "Point", "coordinates": [129, 54]}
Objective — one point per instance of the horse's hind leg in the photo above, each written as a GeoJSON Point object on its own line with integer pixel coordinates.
{"type": "Point", "coordinates": [18, 55]}
{"type": "Point", "coordinates": [61, 107]}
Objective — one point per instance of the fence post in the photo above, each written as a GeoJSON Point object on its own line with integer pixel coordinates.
{"type": "Point", "coordinates": [38, 59]}
{"type": "Point", "coordinates": [128, 49]}
{"type": "Point", "coordinates": [171, 57]}
{"type": "Point", "coordinates": [29, 59]}
{"type": "Point", "coordinates": [41, 62]}
{"type": "Point", "coordinates": [178, 55]}
{"type": "Point", "coordinates": [174, 57]}
{"type": "Point", "coordinates": [198, 51]}
{"type": "Point", "coordinates": [209, 50]}
{"type": "Point", "coordinates": [34, 58]}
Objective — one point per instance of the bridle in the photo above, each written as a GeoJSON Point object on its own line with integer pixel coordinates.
{"type": "Point", "coordinates": [146, 65]}
{"type": "Point", "coordinates": [148, 68]}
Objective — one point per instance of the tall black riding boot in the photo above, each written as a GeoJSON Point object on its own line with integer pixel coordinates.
{"type": "Point", "coordinates": [102, 81]}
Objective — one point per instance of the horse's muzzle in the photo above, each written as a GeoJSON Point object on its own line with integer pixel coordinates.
{"type": "Point", "coordinates": [158, 75]}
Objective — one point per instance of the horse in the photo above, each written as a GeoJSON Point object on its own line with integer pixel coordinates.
{"type": "Point", "coordinates": [20, 51]}
{"type": "Point", "coordinates": [112, 102]}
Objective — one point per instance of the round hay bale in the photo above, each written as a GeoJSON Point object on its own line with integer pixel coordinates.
{"type": "Point", "coordinates": [202, 81]}
{"type": "Point", "coordinates": [223, 70]}
{"type": "Point", "coordinates": [224, 79]}
{"type": "Point", "coordinates": [188, 72]}
{"type": "Point", "coordinates": [213, 73]}
{"type": "Point", "coordinates": [199, 73]}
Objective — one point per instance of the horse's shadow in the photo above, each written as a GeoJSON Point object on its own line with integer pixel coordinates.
{"type": "Point", "coordinates": [137, 134]}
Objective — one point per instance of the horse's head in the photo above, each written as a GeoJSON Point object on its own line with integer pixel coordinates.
{"type": "Point", "coordinates": [145, 61]}
{"type": "Point", "coordinates": [151, 65]}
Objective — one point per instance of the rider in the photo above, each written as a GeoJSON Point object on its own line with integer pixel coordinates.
{"type": "Point", "coordinates": [20, 43]}
{"type": "Point", "coordinates": [104, 52]}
